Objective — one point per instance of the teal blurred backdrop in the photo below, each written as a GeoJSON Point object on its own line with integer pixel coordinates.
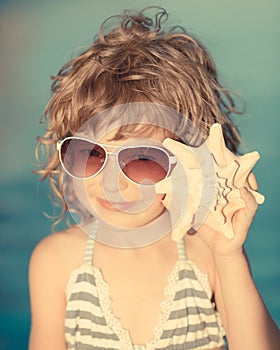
{"type": "Point", "coordinates": [37, 37]}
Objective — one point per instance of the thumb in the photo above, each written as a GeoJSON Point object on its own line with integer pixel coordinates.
{"type": "Point", "coordinates": [243, 218]}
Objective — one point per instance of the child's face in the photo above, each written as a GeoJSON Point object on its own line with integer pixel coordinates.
{"type": "Point", "coordinates": [117, 200]}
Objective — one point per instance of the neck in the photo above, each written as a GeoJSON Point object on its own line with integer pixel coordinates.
{"type": "Point", "coordinates": [131, 237]}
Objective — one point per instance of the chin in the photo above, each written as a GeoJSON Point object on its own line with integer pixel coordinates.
{"type": "Point", "coordinates": [123, 220]}
{"type": "Point", "coordinates": [126, 220]}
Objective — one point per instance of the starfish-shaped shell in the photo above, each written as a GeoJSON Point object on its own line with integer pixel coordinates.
{"type": "Point", "coordinates": [231, 173]}
{"type": "Point", "coordinates": [237, 172]}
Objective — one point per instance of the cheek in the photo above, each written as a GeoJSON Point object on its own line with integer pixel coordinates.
{"type": "Point", "coordinates": [97, 188]}
{"type": "Point", "coordinates": [82, 193]}
{"type": "Point", "coordinates": [156, 203]}
{"type": "Point", "coordinates": [87, 191]}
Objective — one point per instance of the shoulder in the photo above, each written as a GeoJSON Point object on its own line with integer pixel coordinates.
{"type": "Point", "coordinates": [58, 254]}
{"type": "Point", "coordinates": [50, 266]}
{"type": "Point", "coordinates": [59, 245]}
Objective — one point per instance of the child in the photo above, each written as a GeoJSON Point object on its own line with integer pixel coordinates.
{"type": "Point", "coordinates": [112, 108]}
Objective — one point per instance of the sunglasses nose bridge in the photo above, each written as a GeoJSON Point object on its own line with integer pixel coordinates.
{"type": "Point", "coordinates": [111, 173]}
{"type": "Point", "coordinates": [111, 160]}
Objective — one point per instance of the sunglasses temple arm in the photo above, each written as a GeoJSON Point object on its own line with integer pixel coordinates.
{"type": "Point", "coordinates": [58, 145]}
{"type": "Point", "coordinates": [172, 159]}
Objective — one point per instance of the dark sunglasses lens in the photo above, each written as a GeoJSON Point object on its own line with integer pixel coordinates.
{"type": "Point", "coordinates": [144, 164]}
{"type": "Point", "coordinates": [82, 158]}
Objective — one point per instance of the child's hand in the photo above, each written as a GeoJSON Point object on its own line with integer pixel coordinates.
{"type": "Point", "coordinates": [212, 196]}
{"type": "Point", "coordinates": [241, 221]}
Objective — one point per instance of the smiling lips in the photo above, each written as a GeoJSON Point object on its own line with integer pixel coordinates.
{"type": "Point", "coordinates": [118, 206]}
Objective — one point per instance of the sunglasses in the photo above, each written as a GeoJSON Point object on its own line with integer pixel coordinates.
{"type": "Point", "coordinates": [84, 159]}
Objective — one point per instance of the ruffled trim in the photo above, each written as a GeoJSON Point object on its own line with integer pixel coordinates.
{"type": "Point", "coordinates": [114, 322]}
{"type": "Point", "coordinates": [72, 279]}
{"type": "Point", "coordinates": [166, 304]}
{"type": "Point", "coordinates": [105, 303]}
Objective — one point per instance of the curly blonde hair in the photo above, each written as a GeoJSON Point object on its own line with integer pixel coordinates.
{"type": "Point", "coordinates": [136, 61]}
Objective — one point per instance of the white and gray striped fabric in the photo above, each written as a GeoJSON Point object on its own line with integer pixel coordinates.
{"type": "Point", "coordinates": [188, 319]}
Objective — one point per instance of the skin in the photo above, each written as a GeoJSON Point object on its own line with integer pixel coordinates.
{"type": "Point", "coordinates": [112, 186]}
{"type": "Point", "coordinates": [248, 324]}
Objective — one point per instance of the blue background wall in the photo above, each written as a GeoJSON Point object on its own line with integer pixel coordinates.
{"type": "Point", "coordinates": [37, 37]}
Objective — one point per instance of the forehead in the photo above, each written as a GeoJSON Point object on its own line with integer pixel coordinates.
{"type": "Point", "coordinates": [132, 120]}
{"type": "Point", "coordinates": [135, 132]}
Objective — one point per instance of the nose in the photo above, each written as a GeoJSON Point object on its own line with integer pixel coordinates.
{"type": "Point", "coordinates": [113, 180]}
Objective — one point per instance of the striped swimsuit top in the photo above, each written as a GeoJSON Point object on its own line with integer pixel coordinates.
{"type": "Point", "coordinates": [188, 319]}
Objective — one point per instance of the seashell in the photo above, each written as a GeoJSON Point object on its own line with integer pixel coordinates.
{"type": "Point", "coordinates": [231, 173]}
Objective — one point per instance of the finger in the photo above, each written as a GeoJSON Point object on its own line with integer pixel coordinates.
{"type": "Point", "coordinates": [258, 196]}
{"type": "Point", "coordinates": [252, 182]}
{"type": "Point", "coordinates": [253, 187]}
{"type": "Point", "coordinates": [244, 217]}
{"type": "Point", "coordinates": [251, 204]}
{"type": "Point", "coordinates": [231, 207]}
{"type": "Point", "coordinates": [209, 236]}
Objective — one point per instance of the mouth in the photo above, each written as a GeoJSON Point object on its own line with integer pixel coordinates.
{"type": "Point", "coordinates": [115, 206]}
